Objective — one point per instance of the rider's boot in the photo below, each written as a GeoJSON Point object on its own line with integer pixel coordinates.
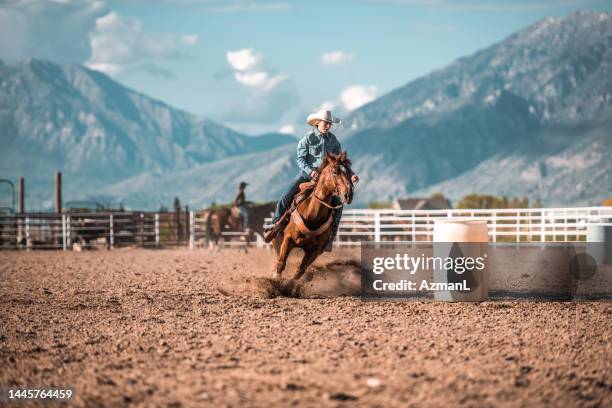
{"type": "Point", "coordinates": [271, 231]}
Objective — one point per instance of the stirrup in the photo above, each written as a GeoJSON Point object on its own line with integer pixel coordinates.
{"type": "Point", "coordinates": [270, 233]}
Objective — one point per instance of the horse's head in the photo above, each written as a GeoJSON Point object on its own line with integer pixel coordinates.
{"type": "Point", "coordinates": [335, 174]}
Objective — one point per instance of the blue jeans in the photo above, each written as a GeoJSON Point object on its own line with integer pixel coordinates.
{"type": "Point", "coordinates": [245, 215]}
{"type": "Point", "coordinates": [287, 198]}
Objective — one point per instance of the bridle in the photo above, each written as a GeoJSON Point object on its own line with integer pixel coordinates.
{"type": "Point", "coordinates": [336, 192]}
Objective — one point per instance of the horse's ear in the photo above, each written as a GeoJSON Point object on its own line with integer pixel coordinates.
{"type": "Point", "coordinates": [343, 156]}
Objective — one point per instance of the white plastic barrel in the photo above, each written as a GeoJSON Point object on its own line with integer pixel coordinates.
{"type": "Point", "coordinates": [461, 238]}
{"type": "Point", "coordinates": [599, 243]}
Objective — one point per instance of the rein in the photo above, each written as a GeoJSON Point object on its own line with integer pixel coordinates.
{"type": "Point", "coordinates": [336, 192]}
{"type": "Point", "coordinates": [298, 218]}
{"type": "Point", "coordinates": [333, 207]}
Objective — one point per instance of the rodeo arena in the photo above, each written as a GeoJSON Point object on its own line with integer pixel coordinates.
{"type": "Point", "coordinates": [140, 308]}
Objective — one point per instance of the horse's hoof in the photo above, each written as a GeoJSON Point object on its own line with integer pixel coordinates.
{"type": "Point", "coordinates": [294, 288]}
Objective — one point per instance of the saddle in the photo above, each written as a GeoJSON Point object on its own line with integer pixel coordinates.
{"type": "Point", "coordinates": [306, 186]}
{"type": "Point", "coordinates": [305, 190]}
{"type": "Point", "coordinates": [235, 212]}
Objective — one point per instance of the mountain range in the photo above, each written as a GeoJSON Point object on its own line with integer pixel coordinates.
{"type": "Point", "coordinates": [97, 132]}
{"type": "Point", "coordinates": [528, 116]}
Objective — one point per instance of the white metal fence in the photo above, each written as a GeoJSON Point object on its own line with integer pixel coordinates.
{"type": "Point", "coordinates": [509, 225]}
{"type": "Point", "coordinates": [62, 231]}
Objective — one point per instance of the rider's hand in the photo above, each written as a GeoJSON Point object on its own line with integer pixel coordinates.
{"type": "Point", "coordinates": [314, 175]}
{"type": "Point", "coordinates": [354, 178]}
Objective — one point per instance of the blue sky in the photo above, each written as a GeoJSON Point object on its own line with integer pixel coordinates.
{"type": "Point", "coordinates": [261, 66]}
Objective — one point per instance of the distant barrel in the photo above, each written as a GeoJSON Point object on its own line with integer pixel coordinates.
{"type": "Point", "coordinates": [599, 243]}
{"type": "Point", "coordinates": [461, 245]}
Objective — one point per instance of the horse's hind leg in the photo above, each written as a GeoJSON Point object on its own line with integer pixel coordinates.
{"type": "Point", "coordinates": [309, 257]}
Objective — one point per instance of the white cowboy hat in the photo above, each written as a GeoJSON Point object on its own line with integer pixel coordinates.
{"type": "Point", "coordinates": [325, 115]}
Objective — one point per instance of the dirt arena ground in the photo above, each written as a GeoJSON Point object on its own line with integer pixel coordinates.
{"type": "Point", "coordinates": [185, 328]}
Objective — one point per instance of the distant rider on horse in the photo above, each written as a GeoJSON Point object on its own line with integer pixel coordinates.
{"type": "Point", "coordinates": [241, 203]}
{"type": "Point", "coordinates": [311, 150]}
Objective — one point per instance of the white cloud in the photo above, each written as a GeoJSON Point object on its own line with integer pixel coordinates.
{"type": "Point", "coordinates": [351, 98]}
{"type": "Point", "coordinates": [120, 44]}
{"type": "Point", "coordinates": [336, 58]}
{"type": "Point", "coordinates": [287, 129]}
{"type": "Point", "coordinates": [56, 31]}
{"type": "Point", "coordinates": [356, 96]}
{"type": "Point", "coordinates": [268, 95]}
{"type": "Point", "coordinates": [256, 79]}
{"type": "Point", "coordinates": [249, 69]}
{"type": "Point", "coordinates": [189, 39]}
{"type": "Point", "coordinates": [244, 59]}
{"type": "Point", "coordinates": [260, 105]}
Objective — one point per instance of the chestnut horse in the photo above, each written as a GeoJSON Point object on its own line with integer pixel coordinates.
{"type": "Point", "coordinates": [310, 223]}
{"type": "Point", "coordinates": [219, 220]}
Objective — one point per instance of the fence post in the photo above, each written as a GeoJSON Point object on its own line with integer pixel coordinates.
{"type": "Point", "coordinates": [554, 228]}
{"type": "Point", "coordinates": [413, 227]}
{"type": "Point", "coordinates": [191, 230]}
{"type": "Point", "coordinates": [377, 226]}
{"type": "Point", "coordinates": [27, 232]}
{"type": "Point", "coordinates": [518, 226]}
{"type": "Point", "coordinates": [141, 230]}
{"type": "Point", "coordinates": [68, 231]}
{"type": "Point", "coordinates": [565, 223]}
{"type": "Point", "coordinates": [157, 230]}
{"type": "Point", "coordinates": [112, 233]}
{"type": "Point", "coordinates": [64, 232]}
{"type": "Point", "coordinates": [542, 226]}
{"type": "Point", "coordinates": [494, 227]}
{"type": "Point", "coordinates": [529, 216]}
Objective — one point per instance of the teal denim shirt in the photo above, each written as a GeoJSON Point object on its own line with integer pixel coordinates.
{"type": "Point", "coordinates": [311, 150]}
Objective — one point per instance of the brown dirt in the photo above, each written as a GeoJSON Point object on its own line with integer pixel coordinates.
{"type": "Point", "coordinates": [186, 328]}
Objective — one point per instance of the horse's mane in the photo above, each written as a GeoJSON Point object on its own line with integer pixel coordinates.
{"type": "Point", "coordinates": [346, 163]}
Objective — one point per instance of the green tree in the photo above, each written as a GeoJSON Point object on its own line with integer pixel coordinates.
{"type": "Point", "coordinates": [537, 203]}
{"type": "Point", "coordinates": [378, 205]}
{"type": "Point", "coordinates": [487, 201]}
{"type": "Point", "coordinates": [484, 201]}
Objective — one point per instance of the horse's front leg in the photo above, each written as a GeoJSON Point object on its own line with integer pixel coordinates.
{"type": "Point", "coordinates": [283, 253]}
{"type": "Point", "coordinates": [309, 257]}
